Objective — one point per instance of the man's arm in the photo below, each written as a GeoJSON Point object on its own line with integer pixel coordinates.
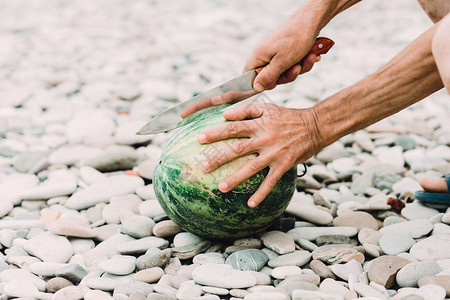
{"type": "Point", "coordinates": [407, 78]}
{"type": "Point", "coordinates": [284, 53]}
{"type": "Point", "coordinates": [291, 136]}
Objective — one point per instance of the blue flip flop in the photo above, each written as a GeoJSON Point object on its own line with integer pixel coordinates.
{"type": "Point", "coordinates": [438, 198]}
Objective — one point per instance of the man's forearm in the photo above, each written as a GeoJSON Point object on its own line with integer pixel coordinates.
{"type": "Point", "coordinates": [315, 14]}
{"type": "Point", "coordinates": [409, 77]}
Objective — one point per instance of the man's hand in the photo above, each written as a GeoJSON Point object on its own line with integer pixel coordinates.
{"type": "Point", "coordinates": [281, 137]}
{"type": "Point", "coordinates": [283, 54]}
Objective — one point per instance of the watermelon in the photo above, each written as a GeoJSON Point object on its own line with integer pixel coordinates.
{"type": "Point", "coordinates": [192, 199]}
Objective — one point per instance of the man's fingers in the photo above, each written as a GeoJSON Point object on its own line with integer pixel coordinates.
{"type": "Point", "coordinates": [265, 188]}
{"type": "Point", "coordinates": [290, 75]}
{"type": "Point", "coordinates": [269, 75]}
{"type": "Point", "coordinates": [234, 150]}
{"type": "Point", "coordinates": [226, 131]}
{"type": "Point", "coordinates": [244, 111]}
{"type": "Point", "coordinates": [252, 167]}
{"type": "Point", "coordinates": [308, 62]}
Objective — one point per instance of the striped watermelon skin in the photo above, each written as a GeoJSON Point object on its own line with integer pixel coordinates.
{"type": "Point", "coordinates": [191, 198]}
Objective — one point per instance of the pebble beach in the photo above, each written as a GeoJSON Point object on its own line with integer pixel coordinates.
{"type": "Point", "coordinates": [78, 215]}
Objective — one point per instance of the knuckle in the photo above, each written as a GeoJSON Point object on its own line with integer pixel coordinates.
{"type": "Point", "coordinates": [254, 165]}
{"type": "Point", "coordinates": [232, 128]}
{"type": "Point", "coordinates": [272, 181]}
{"type": "Point", "coordinates": [238, 147]}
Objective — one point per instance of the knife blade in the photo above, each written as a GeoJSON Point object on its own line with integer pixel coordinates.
{"type": "Point", "coordinates": [234, 90]}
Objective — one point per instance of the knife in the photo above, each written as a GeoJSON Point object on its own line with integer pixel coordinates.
{"type": "Point", "coordinates": [234, 90]}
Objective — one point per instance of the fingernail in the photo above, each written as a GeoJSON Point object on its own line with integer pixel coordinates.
{"type": "Point", "coordinates": [251, 204]}
{"type": "Point", "coordinates": [201, 138]}
{"type": "Point", "coordinates": [223, 186]}
{"type": "Point", "coordinates": [258, 87]}
{"type": "Point", "coordinates": [205, 165]}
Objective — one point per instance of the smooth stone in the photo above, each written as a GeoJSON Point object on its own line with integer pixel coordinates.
{"type": "Point", "coordinates": [441, 280]}
{"type": "Point", "coordinates": [81, 245]}
{"type": "Point", "coordinates": [309, 213]}
{"type": "Point", "coordinates": [131, 287]}
{"type": "Point", "coordinates": [362, 183]}
{"type": "Point", "coordinates": [69, 227]}
{"type": "Point", "coordinates": [286, 271]}
{"type": "Point", "coordinates": [383, 269]}
{"type": "Point", "coordinates": [105, 249]}
{"type": "Point", "coordinates": [5, 208]}
{"type": "Point", "coordinates": [141, 245]}
{"type": "Point", "coordinates": [369, 236]}
{"type": "Point", "coordinates": [188, 290]}
{"type": "Point", "coordinates": [151, 208]}
{"type": "Point", "coordinates": [189, 251]}
{"type": "Point", "coordinates": [247, 260]}
{"type": "Point", "coordinates": [45, 268]}
{"type": "Point", "coordinates": [440, 228]}
{"type": "Point", "coordinates": [91, 175]}
{"type": "Point", "coordinates": [10, 274]}
{"type": "Point", "coordinates": [406, 184]}
{"type": "Point", "coordinates": [150, 275]}
{"type": "Point", "coordinates": [266, 296]}
{"type": "Point", "coordinates": [106, 231]}
{"type": "Point", "coordinates": [409, 275]}
{"type": "Point", "coordinates": [185, 239]}
{"type": "Point", "coordinates": [416, 210]}
{"type": "Point", "coordinates": [307, 245]}
{"type": "Point", "coordinates": [59, 183]}
{"type": "Point", "coordinates": [311, 233]}
{"type": "Point", "coordinates": [432, 248]}
{"type": "Point", "coordinates": [103, 191]}
{"type": "Point", "coordinates": [223, 276]}
{"type": "Point", "coordinates": [296, 258]}
{"type": "Point", "coordinates": [278, 241]}
{"type": "Point", "coordinates": [306, 294]}
{"type": "Point", "coordinates": [215, 290]}
{"type": "Point", "coordinates": [120, 207]}
{"type": "Point", "coordinates": [210, 257]}
{"type": "Point", "coordinates": [125, 134]}
{"type": "Point", "coordinates": [321, 269]}
{"type": "Point", "coordinates": [118, 265]}
{"type": "Point", "coordinates": [343, 271]}
{"type": "Point", "coordinates": [70, 292]}
{"type": "Point", "coordinates": [357, 219]}
{"type": "Point", "coordinates": [368, 291]}
{"type": "Point", "coordinates": [101, 283]}
{"type": "Point", "coordinates": [332, 286]}
{"type": "Point", "coordinates": [146, 192]}
{"type": "Point", "coordinates": [335, 254]}
{"type": "Point", "coordinates": [113, 158]}
{"type": "Point", "coordinates": [393, 243]}
{"type": "Point", "coordinates": [20, 288]}
{"type": "Point", "coordinates": [252, 243]}
{"type": "Point", "coordinates": [73, 272]}
{"type": "Point", "coordinates": [156, 296]}
{"type": "Point", "coordinates": [166, 228]}
{"type": "Point", "coordinates": [431, 292]}
{"type": "Point", "coordinates": [153, 257]}
{"type": "Point", "coordinates": [261, 278]}
{"type": "Point", "coordinates": [55, 284]}
{"type": "Point", "coordinates": [415, 228]}
{"type": "Point", "coordinates": [22, 261]}
{"type": "Point", "coordinates": [302, 281]}
{"type": "Point", "coordinates": [49, 247]}
{"type": "Point", "coordinates": [138, 226]}
{"type": "Point", "coordinates": [97, 295]}
{"type": "Point", "coordinates": [393, 220]}
{"type": "Point", "coordinates": [332, 239]}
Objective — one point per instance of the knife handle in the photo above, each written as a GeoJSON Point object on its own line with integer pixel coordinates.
{"type": "Point", "coordinates": [320, 46]}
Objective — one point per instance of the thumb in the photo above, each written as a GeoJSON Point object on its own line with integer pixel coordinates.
{"type": "Point", "coordinates": [269, 75]}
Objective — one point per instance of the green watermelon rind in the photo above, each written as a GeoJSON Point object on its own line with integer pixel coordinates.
{"type": "Point", "coordinates": [201, 208]}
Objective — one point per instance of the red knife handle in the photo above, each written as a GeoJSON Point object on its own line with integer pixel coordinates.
{"type": "Point", "coordinates": [320, 46]}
